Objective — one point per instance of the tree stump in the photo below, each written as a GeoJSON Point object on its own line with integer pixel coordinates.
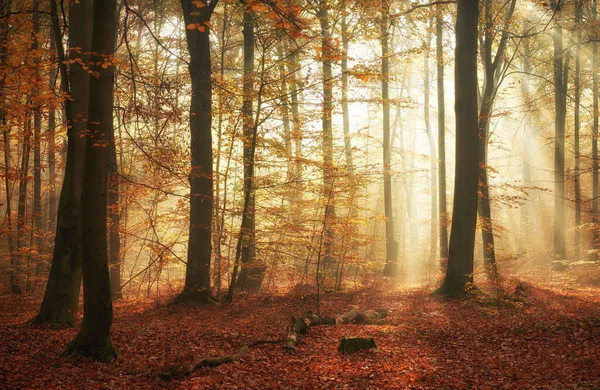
{"type": "Point", "coordinates": [349, 345]}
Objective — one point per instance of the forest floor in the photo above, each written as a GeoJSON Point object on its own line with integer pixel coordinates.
{"type": "Point", "coordinates": [539, 337]}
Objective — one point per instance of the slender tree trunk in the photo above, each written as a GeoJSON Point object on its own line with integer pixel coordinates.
{"type": "Point", "coordinates": [576, 128]}
{"type": "Point", "coordinates": [493, 71]}
{"type": "Point", "coordinates": [595, 192]}
{"type": "Point", "coordinates": [345, 109]}
{"type": "Point", "coordinates": [114, 222]}
{"type": "Point", "coordinates": [560, 100]}
{"type": "Point", "coordinates": [525, 230]}
{"type": "Point", "coordinates": [37, 140]}
{"type": "Point", "coordinates": [252, 274]}
{"type": "Point", "coordinates": [217, 217]}
{"type": "Point", "coordinates": [433, 159]}
{"type": "Point", "coordinates": [295, 87]}
{"type": "Point", "coordinates": [285, 114]}
{"type": "Point", "coordinates": [61, 298]}
{"type": "Point", "coordinates": [52, 199]}
{"type": "Point", "coordinates": [328, 169]}
{"type": "Point", "coordinates": [439, 23]}
{"type": "Point", "coordinates": [391, 252]}
{"type": "Point", "coordinates": [197, 278]}
{"type": "Point", "coordinates": [93, 339]}
{"type": "Point", "coordinates": [16, 269]}
{"type": "Point", "coordinates": [485, 111]}
{"type": "Point", "coordinates": [459, 275]}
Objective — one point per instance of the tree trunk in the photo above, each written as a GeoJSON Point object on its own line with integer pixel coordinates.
{"type": "Point", "coordinates": [62, 292]}
{"type": "Point", "coordinates": [560, 105]}
{"type": "Point", "coordinates": [459, 275]}
{"type": "Point", "coordinates": [93, 339]}
{"type": "Point", "coordinates": [4, 34]}
{"type": "Point", "coordinates": [432, 157]}
{"type": "Point", "coordinates": [37, 140]}
{"type": "Point", "coordinates": [252, 274]}
{"type": "Point", "coordinates": [345, 109]}
{"type": "Point", "coordinates": [114, 221]}
{"type": "Point", "coordinates": [391, 248]}
{"type": "Point", "coordinates": [17, 264]}
{"type": "Point", "coordinates": [576, 128]}
{"type": "Point", "coordinates": [328, 169]}
{"type": "Point", "coordinates": [197, 277]}
{"type": "Point", "coordinates": [52, 199]}
{"type": "Point", "coordinates": [526, 147]}
{"type": "Point", "coordinates": [595, 192]}
{"type": "Point", "coordinates": [439, 23]}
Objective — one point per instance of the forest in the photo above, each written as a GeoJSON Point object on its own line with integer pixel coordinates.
{"type": "Point", "coordinates": [286, 194]}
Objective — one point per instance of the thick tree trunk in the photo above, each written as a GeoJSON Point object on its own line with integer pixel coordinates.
{"type": "Point", "coordinates": [93, 339]}
{"type": "Point", "coordinates": [197, 277]}
{"type": "Point", "coordinates": [391, 248]}
{"type": "Point", "coordinates": [459, 275]}
{"type": "Point", "coordinates": [439, 23]}
{"type": "Point", "coordinates": [62, 292]}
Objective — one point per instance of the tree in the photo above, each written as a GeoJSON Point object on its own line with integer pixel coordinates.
{"type": "Point", "coordinates": [595, 114]}
{"type": "Point", "coordinates": [439, 28]}
{"type": "Point", "coordinates": [561, 68]}
{"type": "Point", "coordinates": [62, 291]}
{"type": "Point", "coordinates": [494, 69]}
{"type": "Point", "coordinates": [327, 53]}
{"type": "Point", "coordinates": [391, 248]}
{"type": "Point", "coordinates": [252, 274]}
{"type": "Point", "coordinates": [459, 275]}
{"type": "Point", "coordinates": [576, 128]}
{"type": "Point", "coordinates": [93, 339]}
{"type": "Point", "coordinates": [197, 15]}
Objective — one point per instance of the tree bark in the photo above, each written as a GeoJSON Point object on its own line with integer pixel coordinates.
{"type": "Point", "coordinates": [61, 298]}
{"type": "Point", "coordinates": [345, 108]}
{"type": "Point", "coordinates": [560, 106]}
{"type": "Point", "coordinates": [93, 339]}
{"type": "Point", "coordinates": [328, 169]}
{"type": "Point", "coordinates": [114, 221]}
{"type": "Point", "coordinates": [525, 229]}
{"type": "Point", "coordinates": [252, 274]}
{"type": "Point", "coordinates": [439, 23]}
{"type": "Point", "coordinates": [391, 248]}
{"type": "Point", "coordinates": [576, 128]}
{"type": "Point", "coordinates": [197, 277]}
{"type": "Point", "coordinates": [459, 275]}
{"type": "Point", "coordinates": [52, 199]}
{"type": "Point", "coordinates": [432, 157]}
{"type": "Point", "coordinates": [595, 192]}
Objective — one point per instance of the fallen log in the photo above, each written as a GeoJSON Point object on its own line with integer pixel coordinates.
{"type": "Point", "coordinates": [213, 361]}
{"type": "Point", "coordinates": [299, 326]}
